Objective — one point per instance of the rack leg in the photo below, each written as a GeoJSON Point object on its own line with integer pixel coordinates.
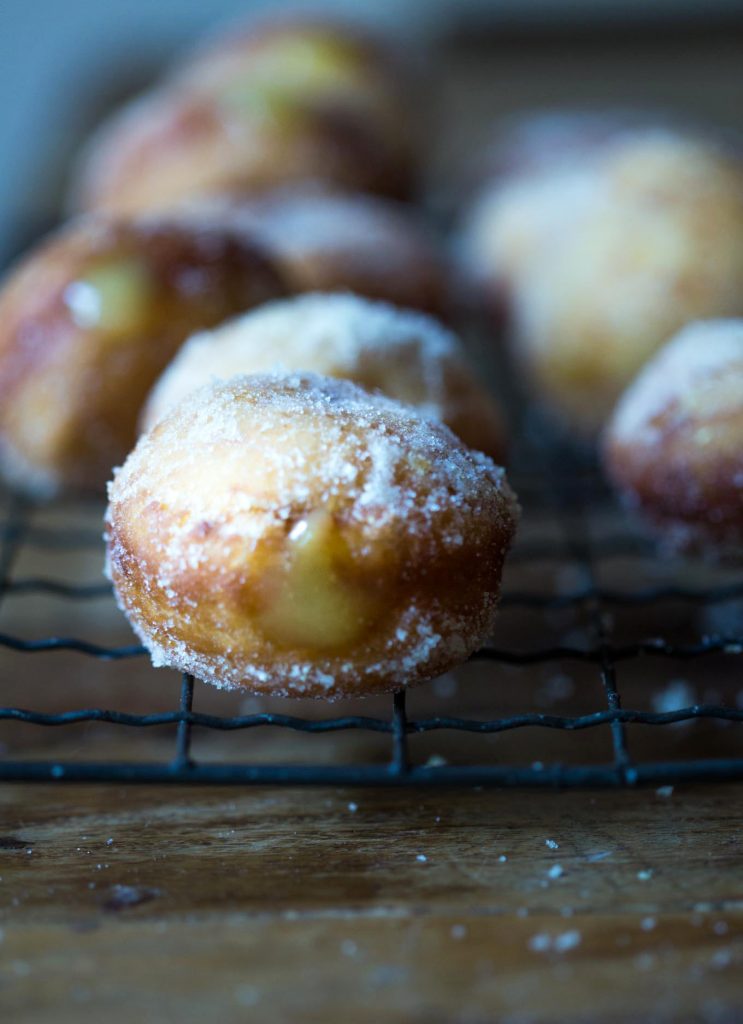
{"type": "Point", "coordinates": [183, 736]}
{"type": "Point", "coordinates": [400, 761]}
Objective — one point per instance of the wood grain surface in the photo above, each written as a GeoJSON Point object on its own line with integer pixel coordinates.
{"type": "Point", "coordinates": [157, 905]}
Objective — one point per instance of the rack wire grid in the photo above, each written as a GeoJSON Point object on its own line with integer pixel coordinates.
{"type": "Point", "coordinates": [571, 494]}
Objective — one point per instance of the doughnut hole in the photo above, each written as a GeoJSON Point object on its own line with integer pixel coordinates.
{"type": "Point", "coordinates": [403, 354]}
{"type": "Point", "coordinates": [674, 447]}
{"type": "Point", "coordinates": [295, 535]}
{"type": "Point", "coordinates": [601, 259]}
{"type": "Point", "coordinates": [329, 240]}
{"type": "Point", "coordinates": [87, 323]}
{"type": "Point", "coordinates": [283, 103]}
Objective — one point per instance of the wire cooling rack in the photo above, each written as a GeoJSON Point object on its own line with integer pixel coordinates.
{"type": "Point", "coordinates": [572, 497]}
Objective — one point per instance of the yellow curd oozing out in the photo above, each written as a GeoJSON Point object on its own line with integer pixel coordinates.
{"type": "Point", "coordinates": [114, 296]}
{"type": "Point", "coordinates": [314, 603]}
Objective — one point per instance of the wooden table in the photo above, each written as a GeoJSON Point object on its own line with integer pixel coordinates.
{"type": "Point", "coordinates": [192, 905]}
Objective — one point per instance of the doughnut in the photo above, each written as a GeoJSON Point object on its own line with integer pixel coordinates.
{"type": "Point", "coordinates": [543, 144]}
{"type": "Point", "coordinates": [290, 100]}
{"type": "Point", "coordinates": [674, 446]}
{"type": "Point", "coordinates": [405, 355]}
{"type": "Point", "coordinates": [89, 320]}
{"type": "Point", "coordinates": [598, 260]}
{"type": "Point", "coordinates": [336, 241]}
{"type": "Point", "coordinates": [542, 141]}
{"type": "Point", "coordinates": [294, 535]}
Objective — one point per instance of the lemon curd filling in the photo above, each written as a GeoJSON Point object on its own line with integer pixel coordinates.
{"type": "Point", "coordinates": [312, 603]}
{"type": "Point", "coordinates": [295, 70]}
{"type": "Point", "coordinates": [261, 101]}
{"type": "Point", "coordinates": [113, 296]}
{"type": "Point", "coordinates": [314, 64]}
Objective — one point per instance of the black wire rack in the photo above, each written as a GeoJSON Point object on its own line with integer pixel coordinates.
{"type": "Point", "coordinates": [572, 496]}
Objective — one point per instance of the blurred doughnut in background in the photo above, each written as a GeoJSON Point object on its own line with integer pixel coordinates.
{"type": "Point", "coordinates": [89, 319]}
{"type": "Point", "coordinates": [331, 241]}
{"type": "Point", "coordinates": [674, 447]}
{"type": "Point", "coordinates": [595, 240]}
{"type": "Point", "coordinates": [288, 99]}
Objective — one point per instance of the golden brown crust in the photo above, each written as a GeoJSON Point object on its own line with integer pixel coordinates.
{"type": "Point", "coordinates": [277, 105]}
{"type": "Point", "coordinates": [203, 515]}
{"type": "Point", "coordinates": [674, 447]}
{"type": "Point", "coordinates": [74, 375]}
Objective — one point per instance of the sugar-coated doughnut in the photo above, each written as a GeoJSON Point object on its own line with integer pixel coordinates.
{"type": "Point", "coordinates": [674, 447]}
{"type": "Point", "coordinates": [294, 535]}
{"type": "Point", "coordinates": [496, 244]}
{"type": "Point", "coordinates": [405, 355]}
{"type": "Point", "coordinates": [87, 323]}
{"type": "Point", "coordinates": [289, 100]}
{"type": "Point", "coordinates": [598, 260]}
{"type": "Point", "coordinates": [542, 141]}
{"type": "Point", "coordinates": [331, 241]}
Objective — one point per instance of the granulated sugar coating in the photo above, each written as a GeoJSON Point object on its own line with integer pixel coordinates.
{"type": "Point", "coordinates": [294, 535]}
{"type": "Point", "coordinates": [700, 357]}
{"type": "Point", "coordinates": [675, 445]}
{"type": "Point", "coordinates": [404, 354]}
{"type": "Point", "coordinates": [598, 256]}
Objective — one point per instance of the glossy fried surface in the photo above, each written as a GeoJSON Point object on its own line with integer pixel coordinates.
{"type": "Point", "coordinates": [295, 535]}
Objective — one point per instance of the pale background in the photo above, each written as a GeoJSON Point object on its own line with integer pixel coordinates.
{"type": "Point", "coordinates": [64, 62]}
